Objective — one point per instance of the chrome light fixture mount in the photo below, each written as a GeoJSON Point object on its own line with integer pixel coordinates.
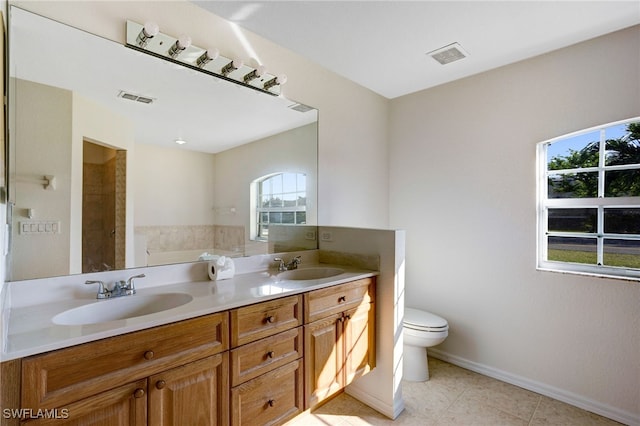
{"type": "Point", "coordinates": [148, 39]}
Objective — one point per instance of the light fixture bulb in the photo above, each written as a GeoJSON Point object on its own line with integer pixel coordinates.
{"type": "Point", "coordinates": [149, 30]}
{"type": "Point", "coordinates": [276, 81]}
{"type": "Point", "coordinates": [180, 141]}
{"type": "Point", "coordinates": [231, 66]}
{"type": "Point", "coordinates": [207, 56]}
{"type": "Point", "coordinates": [179, 46]}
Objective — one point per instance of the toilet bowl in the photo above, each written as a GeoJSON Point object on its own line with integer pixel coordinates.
{"type": "Point", "coordinates": [420, 330]}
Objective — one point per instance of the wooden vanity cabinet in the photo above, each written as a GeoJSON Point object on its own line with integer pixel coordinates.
{"type": "Point", "coordinates": [339, 338]}
{"type": "Point", "coordinates": [267, 362]}
{"type": "Point", "coordinates": [85, 379]}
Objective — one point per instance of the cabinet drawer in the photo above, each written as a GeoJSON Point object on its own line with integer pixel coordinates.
{"type": "Point", "coordinates": [254, 322]}
{"type": "Point", "coordinates": [322, 303]}
{"type": "Point", "coordinates": [59, 377]}
{"type": "Point", "coordinates": [269, 399]}
{"type": "Point", "coordinates": [253, 359]}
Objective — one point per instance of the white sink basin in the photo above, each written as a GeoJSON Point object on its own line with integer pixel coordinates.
{"type": "Point", "coordinates": [315, 273]}
{"type": "Point", "coordinates": [121, 308]}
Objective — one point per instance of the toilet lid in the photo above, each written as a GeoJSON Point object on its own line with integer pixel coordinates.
{"type": "Point", "coordinates": [416, 318]}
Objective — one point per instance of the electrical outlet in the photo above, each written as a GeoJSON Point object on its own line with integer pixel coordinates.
{"type": "Point", "coordinates": [326, 236]}
{"type": "Point", "coordinates": [310, 235]}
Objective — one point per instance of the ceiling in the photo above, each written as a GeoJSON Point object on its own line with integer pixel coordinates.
{"type": "Point", "coordinates": [382, 45]}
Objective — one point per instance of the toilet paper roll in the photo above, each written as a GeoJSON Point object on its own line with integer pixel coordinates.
{"type": "Point", "coordinates": [212, 269]}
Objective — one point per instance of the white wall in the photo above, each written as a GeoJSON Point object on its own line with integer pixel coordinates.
{"type": "Point", "coordinates": [172, 186]}
{"type": "Point", "coordinates": [42, 150]}
{"type": "Point", "coordinates": [462, 167]}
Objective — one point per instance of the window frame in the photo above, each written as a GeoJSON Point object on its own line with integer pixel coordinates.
{"type": "Point", "coordinates": [257, 209]}
{"type": "Point", "coordinates": [600, 203]}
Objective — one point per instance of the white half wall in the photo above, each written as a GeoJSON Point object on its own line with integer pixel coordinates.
{"type": "Point", "coordinates": [463, 185]}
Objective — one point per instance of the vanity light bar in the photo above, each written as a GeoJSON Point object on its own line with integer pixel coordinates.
{"type": "Point", "coordinates": [181, 51]}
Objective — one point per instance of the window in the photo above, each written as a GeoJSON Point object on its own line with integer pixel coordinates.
{"type": "Point", "coordinates": [280, 199]}
{"type": "Point", "coordinates": [589, 201]}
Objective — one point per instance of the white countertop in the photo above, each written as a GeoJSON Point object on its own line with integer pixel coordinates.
{"type": "Point", "coordinates": [30, 329]}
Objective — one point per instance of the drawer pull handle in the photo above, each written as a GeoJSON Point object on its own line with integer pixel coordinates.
{"type": "Point", "coordinates": [271, 319]}
{"type": "Point", "coordinates": [271, 354]}
{"type": "Point", "coordinates": [342, 299]}
{"type": "Point", "coordinates": [138, 393]}
{"type": "Point", "coordinates": [160, 384]}
{"type": "Point", "coordinates": [148, 355]}
{"type": "Point", "coordinates": [271, 402]}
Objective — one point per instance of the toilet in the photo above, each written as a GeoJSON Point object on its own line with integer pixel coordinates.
{"type": "Point", "coordinates": [421, 330]}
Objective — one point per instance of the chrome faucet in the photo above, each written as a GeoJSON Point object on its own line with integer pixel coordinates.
{"type": "Point", "coordinates": [292, 264]}
{"type": "Point", "coordinates": [120, 288]}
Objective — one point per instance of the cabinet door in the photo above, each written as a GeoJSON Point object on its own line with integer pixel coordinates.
{"type": "Point", "coordinates": [193, 394]}
{"type": "Point", "coordinates": [323, 359]}
{"type": "Point", "coordinates": [123, 406]}
{"type": "Point", "coordinates": [359, 341]}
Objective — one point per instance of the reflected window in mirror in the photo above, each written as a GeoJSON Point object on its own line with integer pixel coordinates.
{"type": "Point", "coordinates": [281, 199]}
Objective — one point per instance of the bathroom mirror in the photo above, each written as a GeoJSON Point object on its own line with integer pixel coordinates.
{"type": "Point", "coordinates": [97, 180]}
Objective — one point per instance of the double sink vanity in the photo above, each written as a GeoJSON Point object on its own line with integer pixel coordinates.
{"type": "Point", "coordinates": [259, 348]}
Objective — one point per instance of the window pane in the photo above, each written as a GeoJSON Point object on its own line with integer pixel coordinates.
{"type": "Point", "coordinates": [288, 217]}
{"type": "Point", "coordinates": [264, 217]}
{"type": "Point", "coordinates": [289, 182]}
{"type": "Point", "coordinates": [622, 221]}
{"type": "Point", "coordinates": [290, 200]}
{"type": "Point", "coordinates": [302, 201]}
{"type": "Point", "coordinates": [573, 220]}
{"type": "Point", "coordinates": [623, 253]}
{"type": "Point", "coordinates": [575, 250]}
{"type": "Point", "coordinates": [275, 217]}
{"type": "Point", "coordinates": [622, 183]}
{"type": "Point", "coordinates": [575, 152]}
{"type": "Point", "coordinates": [623, 146]}
{"type": "Point", "coordinates": [275, 202]}
{"type": "Point", "coordinates": [263, 231]}
{"type": "Point", "coordinates": [301, 218]}
{"type": "Point", "coordinates": [302, 182]}
{"type": "Point", "coordinates": [573, 185]}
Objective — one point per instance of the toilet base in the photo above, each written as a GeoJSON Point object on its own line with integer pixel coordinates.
{"type": "Point", "coordinates": [415, 366]}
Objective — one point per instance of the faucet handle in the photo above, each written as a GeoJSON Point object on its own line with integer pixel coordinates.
{"type": "Point", "coordinates": [130, 286]}
{"type": "Point", "coordinates": [281, 266]}
{"type": "Point", "coordinates": [102, 293]}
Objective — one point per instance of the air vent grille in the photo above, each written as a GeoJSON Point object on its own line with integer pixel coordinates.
{"type": "Point", "coordinates": [447, 54]}
{"type": "Point", "coordinates": [137, 98]}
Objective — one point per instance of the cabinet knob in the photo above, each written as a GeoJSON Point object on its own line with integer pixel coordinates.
{"type": "Point", "coordinates": [148, 355]}
{"type": "Point", "coordinates": [271, 319]}
{"type": "Point", "coordinates": [271, 354]}
{"type": "Point", "coordinates": [342, 299]}
{"type": "Point", "coordinates": [138, 393]}
{"type": "Point", "coordinates": [271, 402]}
{"type": "Point", "coordinates": [160, 384]}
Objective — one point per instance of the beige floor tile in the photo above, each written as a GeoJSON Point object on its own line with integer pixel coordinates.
{"type": "Point", "coordinates": [553, 412]}
{"type": "Point", "coordinates": [456, 397]}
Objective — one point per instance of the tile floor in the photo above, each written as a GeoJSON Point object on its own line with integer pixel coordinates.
{"type": "Point", "coordinates": [455, 396]}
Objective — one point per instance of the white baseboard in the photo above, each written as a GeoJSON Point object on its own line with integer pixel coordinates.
{"type": "Point", "coordinates": [571, 398]}
{"type": "Point", "coordinates": [383, 408]}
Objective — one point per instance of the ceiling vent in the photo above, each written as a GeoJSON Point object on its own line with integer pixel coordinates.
{"type": "Point", "coordinates": [300, 107]}
{"type": "Point", "coordinates": [134, 97]}
{"type": "Point", "coordinates": [447, 54]}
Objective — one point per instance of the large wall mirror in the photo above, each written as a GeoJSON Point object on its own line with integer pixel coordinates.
{"type": "Point", "coordinates": [96, 178]}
